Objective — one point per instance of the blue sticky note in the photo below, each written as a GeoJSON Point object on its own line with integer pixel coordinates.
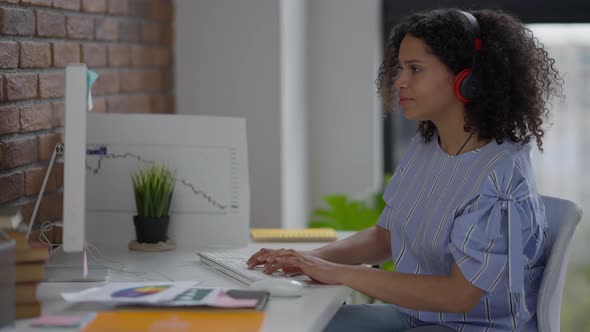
{"type": "Point", "coordinates": [91, 77]}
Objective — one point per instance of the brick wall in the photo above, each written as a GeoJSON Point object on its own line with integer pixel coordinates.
{"type": "Point", "coordinates": [128, 42]}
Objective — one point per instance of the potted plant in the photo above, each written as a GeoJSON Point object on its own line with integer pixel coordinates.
{"type": "Point", "coordinates": [153, 187]}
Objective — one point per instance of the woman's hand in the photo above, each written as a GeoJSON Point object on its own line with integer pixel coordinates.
{"type": "Point", "coordinates": [263, 255]}
{"type": "Point", "coordinates": [291, 261]}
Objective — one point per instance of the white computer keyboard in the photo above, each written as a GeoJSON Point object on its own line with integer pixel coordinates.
{"type": "Point", "coordinates": [235, 266]}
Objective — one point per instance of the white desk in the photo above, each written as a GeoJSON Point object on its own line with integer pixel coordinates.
{"type": "Point", "coordinates": [310, 312]}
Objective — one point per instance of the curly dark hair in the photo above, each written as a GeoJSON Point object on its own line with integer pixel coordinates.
{"type": "Point", "coordinates": [516, 76]}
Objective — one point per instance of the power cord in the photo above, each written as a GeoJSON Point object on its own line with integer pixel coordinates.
{"type": "Point", "coordinates": [47, 226]}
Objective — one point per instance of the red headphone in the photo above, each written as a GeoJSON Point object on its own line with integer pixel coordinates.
{"type": "Point", "coordinates": [466, 87]}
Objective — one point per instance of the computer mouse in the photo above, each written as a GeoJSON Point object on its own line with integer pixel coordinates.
{"type": "Point", "coordinates": [279, 286]}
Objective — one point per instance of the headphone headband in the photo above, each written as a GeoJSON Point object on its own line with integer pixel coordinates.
{"type": "Point", "coordinates": [466, 87]}
{"type": "Point", "coordinates": [474, 27]}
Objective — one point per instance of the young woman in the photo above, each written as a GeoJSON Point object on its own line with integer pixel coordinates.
{"type": "Point", "coordinates": [464, 223]}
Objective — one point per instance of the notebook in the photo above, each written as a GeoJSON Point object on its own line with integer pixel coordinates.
{"type": "Point", "coordinates": [293, 235]}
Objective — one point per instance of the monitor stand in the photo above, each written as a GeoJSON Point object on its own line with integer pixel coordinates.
{"type": "Point", "coordinates": [68, 267]}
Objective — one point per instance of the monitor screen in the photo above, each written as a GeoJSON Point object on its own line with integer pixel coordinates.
{"type": "Point", "coordinates": [76, 106]}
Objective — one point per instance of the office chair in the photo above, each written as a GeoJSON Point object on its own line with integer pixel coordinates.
{"type": "Point", "coordinates": [562, 218]}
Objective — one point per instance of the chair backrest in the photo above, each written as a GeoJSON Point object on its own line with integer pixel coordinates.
{"type": "Point", "coordinates": [562, 217]}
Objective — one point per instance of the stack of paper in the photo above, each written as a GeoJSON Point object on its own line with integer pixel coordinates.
{"type": "Point", "coordinates": [170, 294]}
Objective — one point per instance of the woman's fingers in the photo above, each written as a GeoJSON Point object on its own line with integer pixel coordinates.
{"type": "Point", "coordinates": [259, 257]}
{"type": "Point", "coordinates": [285, 263]}
{"type": "Point", "coordinates": [270, 259]}
{"type": "Point", "coordinates": [292, 270]}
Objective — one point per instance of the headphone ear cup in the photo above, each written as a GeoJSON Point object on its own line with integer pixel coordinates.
{"type": "Point", "coordinates": [464, 86]}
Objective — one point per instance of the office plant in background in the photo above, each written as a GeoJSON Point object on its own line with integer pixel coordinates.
{"type": "Point", "coordinates": [346, 214]}
{"type": "Point", "coordinates": [153, 187]}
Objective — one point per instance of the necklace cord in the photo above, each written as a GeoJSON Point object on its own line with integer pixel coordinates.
{"type": "Point", "coordinates": [473, 132]}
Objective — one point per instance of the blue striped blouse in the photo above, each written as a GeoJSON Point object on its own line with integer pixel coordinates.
{"type": "Point", "coordinates": [481, 210]}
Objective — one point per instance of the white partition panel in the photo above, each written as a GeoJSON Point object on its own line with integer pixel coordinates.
{"type": "Point", "coordinates": [210, 205]}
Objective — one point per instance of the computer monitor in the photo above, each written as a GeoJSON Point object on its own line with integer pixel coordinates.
{"type": "Point", "coordinates": [76, 107]}
{"type": "Point", "coordinates": [68, 264]}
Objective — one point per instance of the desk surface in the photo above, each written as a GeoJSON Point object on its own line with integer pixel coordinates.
{"type": "Point", "coordinates": [310, 312]}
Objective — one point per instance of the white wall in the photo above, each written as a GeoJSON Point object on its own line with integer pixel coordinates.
{"type": "Point", "coordinates": [227, 63]}
{"type": "Point", "coordinates": [345, 114]}
{"type": "Point", "coordinates": [302, 73]}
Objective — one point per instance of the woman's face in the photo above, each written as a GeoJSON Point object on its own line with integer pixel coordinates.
{"type": "Point", "coordinates": [425, 84]}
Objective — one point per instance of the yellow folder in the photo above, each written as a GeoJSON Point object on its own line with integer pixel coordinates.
{"type": "Point", "coordinates": [293, 235]}
{"type": "Point", "coordinates": [176, 321]}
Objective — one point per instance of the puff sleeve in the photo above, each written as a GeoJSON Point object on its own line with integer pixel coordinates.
{"type": "Point", "coordinates": [487, 236]}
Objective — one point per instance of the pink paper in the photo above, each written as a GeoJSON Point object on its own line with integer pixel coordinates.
{"type": "Point", "coordinates": [62, 321]}
{"type": "Point", "coordinates": [85, 266]}
{"type": "Point", "coordinates": [226, 301]}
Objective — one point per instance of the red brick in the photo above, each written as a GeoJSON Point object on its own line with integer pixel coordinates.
{"type": "Point", "coordinates": [118, 7]}
{"type": "Point", "coordinates": [16, 21]}
{"type": "Point", "coordinates": [107, 29]}
{"type": "Point", "coordinates": [130, 81]}
{"type": "Point", "coordinates": [140, 8]}
{"type": "Point", "coordinates": [151, 80]}
{"type": "Point", "coordinates": [162, 104]}
{"type": "Point", "coordinates": [50, 24]}
{"type": "Point", "coordinates": [99, 105]}
{"type": "Point", "coordinates": [17, 152]}
{"type": "Point", "coordinates": [58, 168]}
{"type": "Point", "coordinates": [65, 53]}
{"type": "Point", "coordinates": [27, 209]}
{"type": "Point", "coordinates": [52, 85]}
{"type": "Point", "coordinates": [51, 234]}
{"type": "Point", "coordinates": [118, 104]}
{"type": "Point", "coordinates": [46, 144]}
{"type": "Point", "coordinates": [56, 234]}
{"type": "Point", "coordinates": [162, 10]}
{"type": "Point", "coordinates": [21, 86]}
{"type": "Point", "coordinates": [58, 112]}
{"type": "Point", "coordinates": [34, 180]}
{"type": "Point", "coordinates": [167, 35]}
{"type": "Point", "coordinates": [50, 208]}
{"type": "Point", "coordinates": [36, 117]}
{"type": "Point", "coordinates": [167, 80]}
{"type": "Point", "coordinates": [67, 4]}
{"type": "Point", "coordinates": [162, 56]}
{"type": "Point", "coordinates": [94, 6]}
{"type": "Point", "coordinates": [46, 3]}
{"type": "Point", "coordinates": [12, 186]}
{"type": "Point", "coordinates": [79, 27]}
{"type": "Point", "coordinates": [35, 55]}
{"type": "Point", "coordinates": [107, 83]}
{"type": "Point", "coordinates": [119, 55]}
{"type": "Point", "coordinates": [94, 55]}
{"type": "Point", "coordinates": [141, 55]}
{"type": "Point", "coordinates": [9, 52]}
{"type": "Point", "coordinates": [140, 104]}
{"type": "Point", "coordinates": [9, 120]}
{"type": "Point", "coordinates": [150, 33]}
{"type": "Point", "coordinates": [53, 208]}
{"type": "Point", "coordinates": [129, 31]}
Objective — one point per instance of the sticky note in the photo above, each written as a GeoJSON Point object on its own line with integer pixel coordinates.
{"type": "Point", "coordinates": [91, 77]}
{"type": "Point", "coordinates": [62, 320]}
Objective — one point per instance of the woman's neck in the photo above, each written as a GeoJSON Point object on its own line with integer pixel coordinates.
{"type": "Point", "coordinates": [454, 139]}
